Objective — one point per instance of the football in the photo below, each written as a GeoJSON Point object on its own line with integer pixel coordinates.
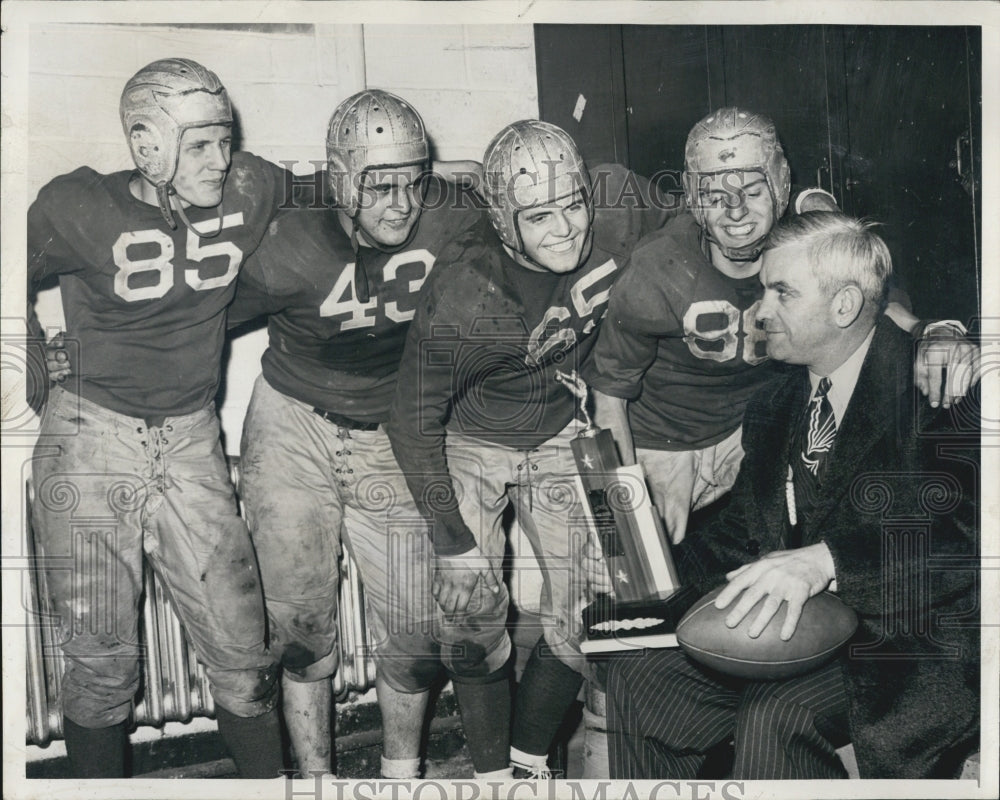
{"type": "Point", "coordinates": [825, 625]}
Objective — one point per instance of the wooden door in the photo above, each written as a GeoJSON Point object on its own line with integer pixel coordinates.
{"type": "Point", "coordinates": [674, 77]}
{"type": "Point", "coordinates": [913, 95]}
{"type": "Point", "coordinates": [784, 71]}
{"type": "Point", "coordinates": [874, 114]}
{"type": "Point", "coordinates": [581, 87]}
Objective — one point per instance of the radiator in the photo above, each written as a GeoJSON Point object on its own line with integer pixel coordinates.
{"type": "Point", "coordinates": [174, 685]}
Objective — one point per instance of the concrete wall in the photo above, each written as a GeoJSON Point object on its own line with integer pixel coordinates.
{"type": "Point", "coordinates": [468, 81]}
{"type": "Point", "coordinates": [283, 86]}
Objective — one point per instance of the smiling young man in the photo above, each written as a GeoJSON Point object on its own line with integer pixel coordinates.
{"type": "Point", "coordinates": [480, 421]}
{"type": "Point", "coordinates": [680, 353]}
{"type": "Point", "coordinates": [133, 445]}
{"type": "Point", "coordinates": [338, 280]}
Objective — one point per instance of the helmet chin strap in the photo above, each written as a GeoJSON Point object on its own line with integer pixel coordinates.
{"type": "Point", "coordinates": [163, 198]}
{"type": "Point", "coordinates": [362, 289]}
{"type": "Point", "coordinates": [164, 192]}
{"type": "Point", "coordinates": [749, 252]}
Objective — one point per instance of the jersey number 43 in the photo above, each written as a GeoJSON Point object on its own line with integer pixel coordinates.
{"type": "Point", "coordinates": [342, 300]}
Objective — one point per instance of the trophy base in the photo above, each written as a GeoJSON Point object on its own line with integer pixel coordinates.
{"type": "Point", "coordinates": [614, 626]}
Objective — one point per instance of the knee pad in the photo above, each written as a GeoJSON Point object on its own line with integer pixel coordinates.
{"type": "Point", "coordinates": [246, 693]}
{"type": "Point", "coordinates": [98, 693]}
{"type": "Point", "coordinates": [472, 660]}
{"type": "Point", "coordinates": [504, 673]}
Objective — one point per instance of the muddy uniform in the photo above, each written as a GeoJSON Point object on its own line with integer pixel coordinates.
{"type": "Point", "coordinates": [129, 462]}
{"type": "Point", "coordinates": [681, 344]}
{"type": "Point", "coordinates": [317, 466]}
{"type": "Point", "coordinates": [480, 418]}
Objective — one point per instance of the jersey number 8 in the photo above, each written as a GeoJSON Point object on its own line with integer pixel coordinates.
{"type": "Point", "coordinates": [715, 342]}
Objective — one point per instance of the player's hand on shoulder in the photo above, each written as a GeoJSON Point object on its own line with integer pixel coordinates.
{"type": "Point", "coordinates": [456, 579]}
{"type": "Point", "coordinates": [57, 359]}
{"type": "Point", "coordinates": [948, 364]}
{"type": "Point", "coordinates": [791, 576]}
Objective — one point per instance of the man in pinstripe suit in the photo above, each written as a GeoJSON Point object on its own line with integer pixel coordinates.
{"type": "Point", "coordinates": [836, 453]}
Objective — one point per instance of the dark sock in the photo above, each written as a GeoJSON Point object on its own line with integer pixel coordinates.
{"type": "Point", "coordinates": [485, 709]}
{"type": "Point", "coordinates": [546, 691]}
{"type": "Point", "coordinates": [253, 742]}
{"type": "Point", "coordinates": [95, 752]}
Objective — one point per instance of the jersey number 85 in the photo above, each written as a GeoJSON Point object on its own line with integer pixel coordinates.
{"type": "Point", "coordinates": [161, 265]}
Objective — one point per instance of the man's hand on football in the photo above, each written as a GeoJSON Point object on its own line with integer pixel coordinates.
{"type": "Point", "coordinates": [456, 578]}
{"type": "Point", "coordinates": [947, 365]}
{"type": "Point", "coordinates": [791, 576]}
{"type": "Point", "coordinates": [57, 359]}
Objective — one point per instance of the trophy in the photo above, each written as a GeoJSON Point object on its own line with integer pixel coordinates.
{"type": "Point", "coordinates": [648, 600]}
{"type": "Point", "coordinates": [619, 511]}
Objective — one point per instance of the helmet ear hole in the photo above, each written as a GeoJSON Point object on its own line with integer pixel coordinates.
{"type": "Point", "coordinates": [149, 151]}
{"type": "Point", "coordinates": [160, 102]}
{"type": "Point", "coordinates": [338, 178]}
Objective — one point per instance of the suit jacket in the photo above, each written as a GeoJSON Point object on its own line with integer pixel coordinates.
{"type": "Point", "coordinates": [899, 512]}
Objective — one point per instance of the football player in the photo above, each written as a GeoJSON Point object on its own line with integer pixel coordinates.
{"type": "Point", "coordinates": [681, 352]}
{"type": "Point", "coordinates": [338, 276]}
{"type": "Point", "coordinates": [480, 421]}
{"type": "Point", "coordinates": [128, 463]}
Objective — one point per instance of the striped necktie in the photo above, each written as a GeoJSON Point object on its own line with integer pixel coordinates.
{"type": "Point", "coordinates": [821, 428]}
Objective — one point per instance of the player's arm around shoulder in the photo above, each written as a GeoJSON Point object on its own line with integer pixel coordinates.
{"type": "Point", "coordinates": [445, 309]}
{"type": "Point", "coordinates": [425, 390]}
{"type": "Point", "coordinates": [261, 184]}
{"type": "Point", "coordinates": [628, 206]}
{"type": "Point", "coordinates": [425, 383]}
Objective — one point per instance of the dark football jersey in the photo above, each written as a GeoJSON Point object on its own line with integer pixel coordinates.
{"type": "Point", "coordinates": [327, 348]}
{"type": "Point", "coordinates": [146, 304]}
{"type": "Point", "coordinates": [681, 342]}
{"type": "Point", "coordinates": [488, 338]}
